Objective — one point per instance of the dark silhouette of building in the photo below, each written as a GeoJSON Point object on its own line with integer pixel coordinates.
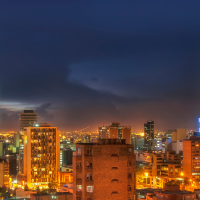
{"type": "Point", "coordinates": [13, 165]}
{"type": "Point", "coordinates": [148, 134]}
{"type": "Point", "coordinates": [27, 119]}
{"type": "Point", "coordinates": [67, 155]}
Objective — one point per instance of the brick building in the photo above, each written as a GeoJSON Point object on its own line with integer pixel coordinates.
{"type": "Point", "coordinates": [104, 171]}
{"type": "Point", "coordinates": [115, 131]}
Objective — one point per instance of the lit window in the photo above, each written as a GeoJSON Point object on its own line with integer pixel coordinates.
{"type": "Point", "coordinates": [130, 150]}
{"type": "Point", "coordinates": [90, 189]}
{"type": "Point", "coordinates": [79, 188]}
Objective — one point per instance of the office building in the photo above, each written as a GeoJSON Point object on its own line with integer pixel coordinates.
{"type": "Point", "coordinates": [40, 154]}
{"type": "Point", "coordinates": [27, 119]}
{"type": "Point", "coordinates": [148, 134]}
{"type": "Point", "coordinates": [199, 124]}
{"type": "Point", "coordinates": [191, 156]}
{"type": "Point", "coordinates": [67, 155]}
{"type": "Point", "coordinates": [104, 170]}
{"type": "Point", "coordinates": [116, 132]}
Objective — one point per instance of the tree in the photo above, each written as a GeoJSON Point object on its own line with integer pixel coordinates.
{"type": "Point", "coordinates": [2, 191]}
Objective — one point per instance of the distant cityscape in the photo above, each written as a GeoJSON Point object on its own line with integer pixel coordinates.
{"type": "Point", "coordinates": [39, 161]}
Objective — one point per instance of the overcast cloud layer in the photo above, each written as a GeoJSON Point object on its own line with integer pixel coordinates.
{"type": "Point", "coordinates": [80, 64]}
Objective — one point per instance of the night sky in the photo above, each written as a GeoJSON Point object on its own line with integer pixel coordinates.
{"type": "Point", "coordinates": [88, 63]}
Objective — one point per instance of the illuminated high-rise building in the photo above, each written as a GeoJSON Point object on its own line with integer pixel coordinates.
{"type": "Point", "coordinates": [27, 119]}
{"type": "Point", "coordinates": [148, 134]}
{"type": "Point", "coordinates": [116, 132]}
{"type": "Point", "coordinates": [199, 124]}
{"type": "Point", "coordinates": [104, 171]}
{"type": "Point", "coordinates": [40, 153]}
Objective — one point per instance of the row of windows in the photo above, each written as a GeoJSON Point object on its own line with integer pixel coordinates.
{"type": "Point", "coordinates": [90, 152]}
{"type": "Point", "coordinates": [89, 177]}
{"type": "Point", "coordinates": [90, 189]}
{"type": "Point", "coordinates": [90, 165]}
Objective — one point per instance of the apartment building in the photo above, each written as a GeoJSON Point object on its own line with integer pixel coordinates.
{"type": "Point", "coordinates": [104, 171]}
{"type": "Point", "coordinates": [162, 166]}
{"type": "Point", "coordinates": [191, 157]}
{"type": "Point", "coordinates": [40, 151]}
{"type": "Point", "coordinates": [115, 131]}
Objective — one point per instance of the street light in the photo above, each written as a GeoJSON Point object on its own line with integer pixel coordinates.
{"type": "Point", "coordinates": [146, 174]}
{"type": "Point", "coordinates": [182, 174]}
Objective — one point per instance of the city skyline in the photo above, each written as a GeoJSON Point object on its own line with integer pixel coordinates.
{"type": "Point", "coordinates": [87, 64]}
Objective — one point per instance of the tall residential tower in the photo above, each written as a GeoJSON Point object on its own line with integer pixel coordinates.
{"type": "Point", "coordinates": [40, 154]}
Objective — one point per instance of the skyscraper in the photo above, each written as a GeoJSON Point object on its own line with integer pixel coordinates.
{"type": "Point", "coordinates": [116, 132]}
{"type": "Point", "coordinates": [104, 171]}
{"type": "Point", "coordinates": [40, 154]}
{"type": "Point", "coordinates": [148, 134]}
{"type": "Point", "coordinates": [27, 119]}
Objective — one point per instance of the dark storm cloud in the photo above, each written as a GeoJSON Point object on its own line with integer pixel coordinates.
{"type": "Point", "coordinates": [42, 112]}
{"type": "Point", "coordinates": [98, 62]}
